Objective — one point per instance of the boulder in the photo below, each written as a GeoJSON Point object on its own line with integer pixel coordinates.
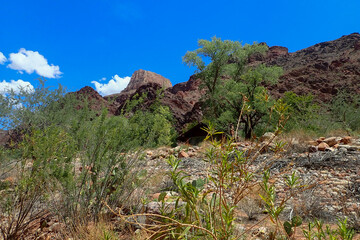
{"type": "Point", "coordinates": [155, 207]}
{"type": "Point", "coordinates": [313, 149]}
{"type": "Point", "coordinates": [277, 51]}
{"type": "Point", "coordinates": [267, 137]}
{"type": "Point", "coordinates": [323, 146]}
{"type": "Point", "coordinates": [346, 140]}
{"type": "Point", "coordinates": [331, 141]}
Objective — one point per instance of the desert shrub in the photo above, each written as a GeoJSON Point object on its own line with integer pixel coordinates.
{"type": "Point", "coordinates": [345, 110]}
{"type": "Point", "coordinates": [302, 110]}
{"type": "Point", "coordinates": [103, 167]}
{"type": "Point", "coordinates": [37, 107]}
{"type": "Point", "coordinates": [20, 207]}
{"type": "Point", "coordinates": [72, 159]}
{"type": "Point", "coordinates": [22, 201]}
{"type": "Point", "coordinates": [308, 206]}
{"type": "Point", "coordinates": [321, 119]}
{"type": "Point", "coordinates": [152, 128]}
{"type": "Point", "coordinates": [86, 166]}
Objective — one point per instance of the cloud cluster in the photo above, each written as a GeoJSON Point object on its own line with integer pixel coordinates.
{"type": "Point", "coordinates": [16, 86]}
{"type": "Point", "coordinates": [30, 61]}
{"type": "Point", "coordinates": [115, 85]}
{"type": "Point", "coordinates": [2, 58]}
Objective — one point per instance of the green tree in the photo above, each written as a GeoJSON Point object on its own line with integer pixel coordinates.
{"type": "Point", "coordinates": [233, 86]}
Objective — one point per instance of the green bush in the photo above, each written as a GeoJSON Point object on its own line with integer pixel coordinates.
{"type": "Point", "coordinates": [345, 110]}
{"type": "Point", "coordinates": [152, 129]}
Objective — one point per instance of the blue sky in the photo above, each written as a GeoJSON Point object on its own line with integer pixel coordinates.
{"type": "Point", "coordinates": [75, 43]}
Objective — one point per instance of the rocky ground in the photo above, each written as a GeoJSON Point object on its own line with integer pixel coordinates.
{"type": "Point", "coordinates": [331, 174]}
{"type": "Point", "coordinates": [329, 167]}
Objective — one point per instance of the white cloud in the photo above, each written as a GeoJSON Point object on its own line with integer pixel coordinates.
{"type": "Point", "coordinates": [16, 86]}
{"type": "Point", "coordinates": [115, 85]}
{"type": "Point", "coordinates": [2, 58]}
{"type": "Point", "coordinates": [30, 61]}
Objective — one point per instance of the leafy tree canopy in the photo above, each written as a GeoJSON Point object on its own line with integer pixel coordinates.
{"type": "Point", "coordinates": [235, 92]}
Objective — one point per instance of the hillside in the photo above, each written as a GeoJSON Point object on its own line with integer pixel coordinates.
{"type": "Point", "coordinates": [322, 70]}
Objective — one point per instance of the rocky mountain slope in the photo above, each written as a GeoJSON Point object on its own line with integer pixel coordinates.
{"type": "Point", "coordinates": [322, 70]}
{"type": "Point", "coordinates": [182, 99]}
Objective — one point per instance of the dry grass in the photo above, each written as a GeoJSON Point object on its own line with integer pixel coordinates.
{"type": "Point", "coordinates": [337, 133]}
{"type": "Point", "coordinates": [95, 231]}
{"type": "Point", "coordinates": [299, 135]}
{"type": "Point", "coordinates": [252, 204]}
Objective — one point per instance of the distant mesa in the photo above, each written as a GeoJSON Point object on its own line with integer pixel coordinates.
{"type": "Point", "coordinates": [142, 77]}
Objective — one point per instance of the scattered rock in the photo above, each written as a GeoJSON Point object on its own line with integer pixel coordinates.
{"type": "Point", "coordinates": [183, 154]}
{"type": "Point", "coordinates": [350, 147]}
{"type": "Point", "coordinates": [331, 141]}
{"type": "Point", "coordinates": [342, 149]}
{"type": "Point", "coordinates": [239, 228]}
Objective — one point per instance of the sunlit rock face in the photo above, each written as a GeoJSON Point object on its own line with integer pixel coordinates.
{"type": "Point", "coordinates": [142, 77]}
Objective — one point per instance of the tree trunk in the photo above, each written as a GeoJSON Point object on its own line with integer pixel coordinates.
{"type": "Point", "coordinates": [247, 131]}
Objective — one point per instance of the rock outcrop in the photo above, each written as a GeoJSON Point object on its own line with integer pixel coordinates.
{"type": "Point", "coordinates": [142, 77]}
